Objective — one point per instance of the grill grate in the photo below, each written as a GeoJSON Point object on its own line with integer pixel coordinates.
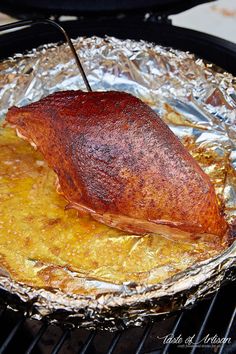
{"type": "Point", "coordinates": [215, 317]}
{"type": "Point", "coordinates": [36, 339]}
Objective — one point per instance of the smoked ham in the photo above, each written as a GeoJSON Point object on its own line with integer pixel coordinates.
{"type": "Point", "coordinates": [119, 162]}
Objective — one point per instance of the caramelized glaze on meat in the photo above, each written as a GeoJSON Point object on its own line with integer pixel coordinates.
{"type": "Point", "coordinates": [118, 161]}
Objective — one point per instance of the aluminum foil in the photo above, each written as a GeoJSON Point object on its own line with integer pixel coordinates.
{"type": "Point", "coordinates": [198, 102]}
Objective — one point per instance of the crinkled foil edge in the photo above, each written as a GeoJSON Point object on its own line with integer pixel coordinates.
{"type": "Point", "coordinates": [132, 305]}
{"type": "Point", "coordinates": [127, 304]}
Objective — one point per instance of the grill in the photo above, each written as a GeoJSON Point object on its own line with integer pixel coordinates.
{"type": "Point", "coordinates": [211, 324]}
{"type": "Point", "coordinates": [210, 321]}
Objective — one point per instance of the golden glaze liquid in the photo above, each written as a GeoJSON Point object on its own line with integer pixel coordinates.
{"type": "Point", "coordinates": [41, 242]}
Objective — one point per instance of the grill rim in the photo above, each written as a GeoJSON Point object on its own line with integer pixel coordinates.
{"type": "Point", "coordinates": [213, 49]}
{"type": "Point", "coordinates": [118, 335]}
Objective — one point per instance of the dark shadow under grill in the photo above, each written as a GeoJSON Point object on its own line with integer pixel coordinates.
{"type": "Point", "coordinates": [206, 321]}
{"type": "Point", "coordinates": [209, 321]}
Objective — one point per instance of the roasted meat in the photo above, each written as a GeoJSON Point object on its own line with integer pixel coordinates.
{"type": "Point", "coordinates": [118, 161]}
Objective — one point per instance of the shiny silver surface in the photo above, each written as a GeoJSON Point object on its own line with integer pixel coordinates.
{"type": "Point", "coordinates": [198, 102]}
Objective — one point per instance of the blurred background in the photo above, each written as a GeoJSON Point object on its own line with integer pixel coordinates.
{"type": "Point", "coordinates": [217, 18]}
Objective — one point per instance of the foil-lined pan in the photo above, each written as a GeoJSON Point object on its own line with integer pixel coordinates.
{"type": "Point", "coordinates": [197, 100]}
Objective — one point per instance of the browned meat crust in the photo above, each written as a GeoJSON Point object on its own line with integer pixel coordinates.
{"type": "Point", "coordinates": [117, 160]}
